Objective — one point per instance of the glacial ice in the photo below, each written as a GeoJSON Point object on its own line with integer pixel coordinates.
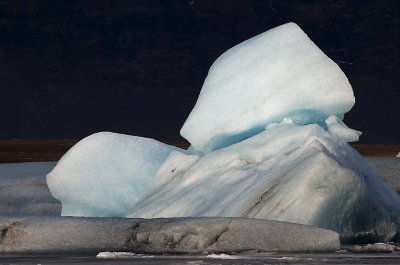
{"type": "Point", "coordinates": [267, 141]}
{"type": "Point", "coordinates": [115, 255]}
{"type": "Point", "coordinates": [222, 256]}
{"type": "Point", "coordinates": [106, 173]}
{"type": "Point", "coordinates": [277, 74]}
{"type": "Point", "coordinates": [374, 248]}
{"type": "Point", "coordinates": [83, 235]}
{"type": "Point", "coordinates": [337, 128]}
{"type": "Point", "coordinates": [294, 173]}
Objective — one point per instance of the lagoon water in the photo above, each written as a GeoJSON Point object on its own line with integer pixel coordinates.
{"type": "Point", "coordinates": [342, 257]}
{"type": "Point", "coordinates": [37, 171]}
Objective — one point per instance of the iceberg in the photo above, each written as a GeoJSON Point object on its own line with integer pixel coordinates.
{"type": "Point", "coordinates": [277, 74]}
{"type": "Point", "coordinates": [293, 173]}
{"type": "Point", "coordinates": [55, 235]}
{"type": "Point", "coordinates": [106, 173]}
{"type": "Point", "coordinates": [267, 141]}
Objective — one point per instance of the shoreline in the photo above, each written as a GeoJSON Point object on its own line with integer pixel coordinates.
{"type": "Point", "coordinates": [42, 150]}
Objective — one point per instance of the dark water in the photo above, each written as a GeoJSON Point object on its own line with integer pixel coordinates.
{"type": "Point", "coordinates": [256, 258]}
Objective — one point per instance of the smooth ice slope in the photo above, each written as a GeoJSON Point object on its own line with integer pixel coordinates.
{"type": "Point", "coordinates": [299, 174]}
{"type": "Point", "coordinates": [277, 74]}
{"type": "Point", "coordinates": [106, 173]}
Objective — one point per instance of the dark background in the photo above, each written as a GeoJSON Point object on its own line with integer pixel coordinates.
{"type": "Point", "coordinates": [72, 68]}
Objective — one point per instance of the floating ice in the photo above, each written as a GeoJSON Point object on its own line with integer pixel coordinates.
{"type": "Point", "coordinates": [268, 142]}
{"type": "Point", "coordinates": [277, 74]}
{"type": "Point", "coordinates": [115, 255]}
{"type": "Point", "coordinates": [121, 255]}
{"type": "Point", "coordinates": [374, 248]}
{"type": "Point", "coordinates": [222, 256]}
{"type": "Point", "coordinates": [78, 235]}
{"type": "Point", "coordinates": [106, 173]}
{"type": "Point", "coordinates": [299, 174]}
{"type": "Point", "coordinates": [338, 129]}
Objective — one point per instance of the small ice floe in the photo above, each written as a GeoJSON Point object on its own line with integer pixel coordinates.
{"type": "Point", "coordinates": [373, 248]}
{"type": "Point", "coordinates": [119, 255]}
{"type": "Point", "coordinates": [288, 258]}
{"type": "Point", "coordinates": [342, 251]}
{"type": "Point", "coordinates": [222, 256]}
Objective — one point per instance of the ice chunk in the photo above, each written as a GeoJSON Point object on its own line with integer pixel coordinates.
{"type": "Point", "coordinates": [64, 235]}
{"type": "Point", "coordinates": [77, 235]}
{"type": "Point", "coordinates": [374, 248]}
{"type": "Point", "coordinates": [121, 255]}
{"type": "Point", "coordinates": [268, 142]}
{"type": "Point", "coordinates": [222, 256]}
{"type": "Point", "coordinates": [106, 173]}
{"type": "Point", "coordinates": [293, 173]}
{"type": "Point", "coordinates": [115, 255]}
{"type": "Point", "coordinates": [398, 155]}
{"type": "Point", "coordinates": [337, 128]}
{"type": "Point", "coordinates": [277, 74]}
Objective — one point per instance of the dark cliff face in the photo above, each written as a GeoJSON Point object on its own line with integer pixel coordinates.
{"type": "Point", "coordinates": [71, 68]}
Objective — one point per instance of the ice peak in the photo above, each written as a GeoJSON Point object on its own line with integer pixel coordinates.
{"type": "Point", "coordinates": [279, 73]}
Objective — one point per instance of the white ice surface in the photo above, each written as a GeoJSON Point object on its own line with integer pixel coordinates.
{"type": "Point", "coordinates": [113, 255]}
{"type": "Point", "coordinates": [293, 173]}
{"type": "Point", "coordinates": [222, 256]}
{"type": "Point", "coordinates": [106, 173]}
{"type": "Point", "coordinates": [278, 74]}
{"type": "Point", "coordinates": [374, 248]}
{"type": "Point", "coordinates": [337, 128]}
{"type": "Point", "coordinates": [120, 255]}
